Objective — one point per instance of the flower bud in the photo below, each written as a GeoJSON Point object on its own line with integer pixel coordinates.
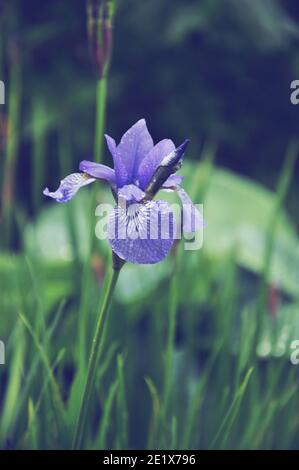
{"type": "Point", "coordinates": [169, 165]}
{"type": "Point", "coordinates": [100, 33]}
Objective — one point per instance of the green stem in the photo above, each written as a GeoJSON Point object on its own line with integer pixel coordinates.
{"type": "Point", "coordinates": [101, 99]}
{"type": "Point", "coordinates": [12, 145]}
{"type": "Point", "coordinates": [170, 342]}
{"type": "Point", "coordinates": [169, 353]}
{"type": "Point", "coordinates": [38, 153]}
{"type": "Point", "coordinates": [97, 345]}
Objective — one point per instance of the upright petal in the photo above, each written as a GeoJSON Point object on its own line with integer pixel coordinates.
{"type": "Point", "coordinates": [142, 233]}
{"type": "Point", "coordinates": [192, 219]}
{"type": "Point", "coordinates": [152, 160]}
{"type": "Point", "coordinates": [111, 144]}
{"type": "Point", "coordinates": [120, 169]}
{"type": "Point", "coordinates": [97, 170]}
{"type": "Point", "coordinates": [69, 186]}
{"type": "Point", "coordinates": [133, 147]}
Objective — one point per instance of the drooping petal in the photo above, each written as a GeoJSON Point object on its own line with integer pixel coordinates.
{"type": "Point", "coordinates": [172, 182]}
{"type": "Point", "coordinates": [97, 170]}
{"type": "Point", "coordinates": [133, 147]}
{"type": "Point", "coordinates": [152, 160]}
{"type": "Point", "coordinates": [192, 219]}
{"type": "Point", "coordinates": [69, 187]}
{"type": "Point", "coordinates": [142, 233]}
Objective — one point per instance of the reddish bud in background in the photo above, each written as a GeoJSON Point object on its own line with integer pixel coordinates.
{"type": "Point", "coordinates": [100, 33]}
{"type": "Point", "coordinates": [273, 300]}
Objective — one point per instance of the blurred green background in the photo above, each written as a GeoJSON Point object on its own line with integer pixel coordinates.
{"type": "Point", "coordinates": [197, 352]}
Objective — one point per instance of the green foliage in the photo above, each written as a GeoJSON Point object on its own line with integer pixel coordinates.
{"type": "Point", "coordinates": [197, 350]}
{"type": "Point", "coordinates": [197, 400]}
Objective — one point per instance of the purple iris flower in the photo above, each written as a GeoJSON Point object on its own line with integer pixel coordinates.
{"type": "Point", "coordinates": [140, 230]}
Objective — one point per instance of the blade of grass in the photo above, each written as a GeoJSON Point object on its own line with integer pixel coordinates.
{"type": "Point", "coordinates": [57, 400]}
{"type": "Point", "coordinates": [14, 104]}
{"type": "Point", "coordinates": [96, 350]}
{"type": "Point", "coordinates": [122, 411]}
{"type": "Point", "coordinates": [169, 353]}
{"type": "Point", "coordinates": [225, 426]}
{"type": "Point", "coordinates": [174, 433]}
{"type": "Point", "coordinates": [38, 153]}
{"type": "Point", "coordinates": [31, 376]}
{"type": "Point", "coordinates": [196, 401]}
{"type": "Point", "coordinates": [104, 427]}
{"type": "Point", "coordinates": [78, 383]}
{"type": "Point", "coordinates": [153, 428]}
{"type": "Point", "coordinates": [281, 192]}
{"type": "Point", "coordinates": [13, 389]}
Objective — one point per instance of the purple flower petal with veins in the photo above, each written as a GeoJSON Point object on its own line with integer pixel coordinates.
{"type": "Point", "coordinates": [192, 219]}
{"type": "Point", "coordinates": [142, 233]}
{"type": "Point", "coordinates": [140, 229]}
{"type": "Point", "coordinates": [151, 161]}
{"type": "Point", "coordinates": [127, 156]}
{"type": "Point", "coordinates": [69, 187]}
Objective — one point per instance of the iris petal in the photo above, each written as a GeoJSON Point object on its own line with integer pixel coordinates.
{"type": "Point", "coordinates": [69, 186]}
{"type": "Point", "coordinates": [127, 156]}
{"type": "Point", "coordinates": [152, 160]}
{"type": "Point", "coordinates": [192, 219]}
{"type": "Point", "coordinates": [97, 170]}
{"type": "Point", "coordinates": [111, 144]}
{"type": "Point", "coordinates": [142, 233]}
{"type": "Point", "coordinates": [172, 181]}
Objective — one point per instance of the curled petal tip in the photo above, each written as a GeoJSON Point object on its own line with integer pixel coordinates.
{"type": "Point", "coordinates": [182, 148]}
{"type": "Point", "coordinates": [69, 186]}
{"type": "Point", "coordinates": [169, 165]}
{"type": "Point", "coordinates": [176, 156]}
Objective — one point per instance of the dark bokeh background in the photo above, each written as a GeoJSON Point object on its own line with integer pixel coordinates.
{"type": "Point", "coordinates": [208, 70]}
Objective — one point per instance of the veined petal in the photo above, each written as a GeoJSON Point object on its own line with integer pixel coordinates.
{"type": "Point", "coordinates": [133, 147]}
{"type": "Point", "coordinates": [69, 187]}
{"type": "Point", "coordinates": [142, 233]}
{"type": "Point", "coordinates": [97, 170]}
{"type": "Point", "coordinates": [152, 160]}
{"type": "Point", "coordinates": [192, 219]}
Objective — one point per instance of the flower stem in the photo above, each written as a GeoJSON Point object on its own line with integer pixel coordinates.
{"type": "Point", "coordinates": [96, 349]}
{"type": "Point", "coordinates": [101, 99]}
{"type": "Point", "coordinates": [12, 144]}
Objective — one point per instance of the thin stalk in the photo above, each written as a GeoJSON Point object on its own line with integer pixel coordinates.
{"type": "Point", "coordinates": [101, 100]}
{"type": "Point", "coordinates": [96, 350]}
{"type": "Point", "coordinates": [14, 100]}
{"type": "Point", "coordinates": [282, 189]}
{"type": "Point", "coordinates": [170, 343]}
{"type": "Point", "coordinates": [38, 153]}
{"type": "Point", "coordinates": [122, 412]}
{"type": "Point", "coordinates": [169, 353]}
{"type": "Point", "coordinates": [65, 162]}
{"type": "Point", "coordinates": [102, 70]}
